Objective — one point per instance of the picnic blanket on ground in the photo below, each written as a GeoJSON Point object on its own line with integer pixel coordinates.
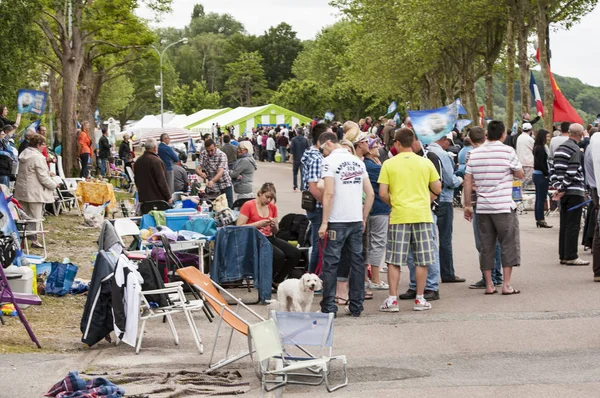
{"type": "Point", "coordinates": [182, 383]}
{"type": "Point", "coordinates": [74, 386]}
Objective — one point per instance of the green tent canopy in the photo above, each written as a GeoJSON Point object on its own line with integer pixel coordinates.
{"type": "Point", "coordinates": [243, 119]}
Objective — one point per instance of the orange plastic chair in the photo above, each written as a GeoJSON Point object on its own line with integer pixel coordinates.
{"type": "Point", "coordinates": [213, 295]}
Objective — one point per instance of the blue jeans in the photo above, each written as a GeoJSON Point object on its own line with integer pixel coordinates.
{"type": "Point", "coordinates": [5, 180]}
{"type": "Point", "coordinates": [541, 194]}
{"type": "Point", "coordinates": [497, 271]}
{"type": "Point", "coordinates": [229, 194]}
{"type": "Point", "coordinates": [103, 167]}
{"type": "Point", "coordinates": [315, 218]}
{"type": "Point", "coordinates": [84, 158]}
{"type": "Point", "coordinates": [433, 270]}
{"type": "Point", "coordinates": [295, 168]}
{"type": "Point", "coordinates": [283, 153]}
{"type": "Point", "coordinates": [349, 240]}
{"type": "Point", "coordinates": [445, 219]}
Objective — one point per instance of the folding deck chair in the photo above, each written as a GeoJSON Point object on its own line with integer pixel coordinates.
{"type": "Point", "coordinates": [212, 295]}
{"type": "Point", "coordinates": [8, 297]}
{"type": "Point", "coordinates": [295, 329]}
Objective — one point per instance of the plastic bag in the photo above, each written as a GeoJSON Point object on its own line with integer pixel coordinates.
{"type": "Point", "coordinates": [93, 216]}
{"type": "Point", "coordinates": [61, 279]}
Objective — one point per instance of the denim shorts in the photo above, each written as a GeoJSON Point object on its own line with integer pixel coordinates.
{"type": "Point", "coordinates": [418, 238]}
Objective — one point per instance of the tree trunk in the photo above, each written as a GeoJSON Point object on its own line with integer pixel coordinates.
{"type": "Point", "coordinates": [70, 70]}
{"type": "Point", "coordinates": [56, 98]}
{"type": "Point", "coordinates": [435, 98]}
{"type": "Point", "coordinates": [472, 108]}
{"type": "Point", "coordinates": [542, 25]}
{"type": "Point", "coordinates": [510, 73]}
{"type": "Point", "coordinates": [424, 94]}
{"type": "Point", "coordinates": [522, 34]}
{"type": "Point", "coordinates": [489, 90]}
{"type": "Point", "coordinates": [86, 83]}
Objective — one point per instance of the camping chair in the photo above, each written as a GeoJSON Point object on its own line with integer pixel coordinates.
{"type": "Point", "coordinates": [295, 328]}
{"type": "Point", "coordinates": [8, 297]}
{"type": "Point", "coordinates": [177, 303]}
{"type": "Point", "coordinates": [67, 199]}
{"type": "Point", "coordinates": [129, 171]}
{"type": "Point", "coordinates": [212, 295]}
{"type": "Point", "coordinates": [126, 227]}
{"type": "Point", "coordinates": [23, 226]}
{"type": "Point", "coordinates": [173, 264]}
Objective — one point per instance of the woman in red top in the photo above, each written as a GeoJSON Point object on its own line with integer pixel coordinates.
{"type": "Point", "coordinates": [262, 214]}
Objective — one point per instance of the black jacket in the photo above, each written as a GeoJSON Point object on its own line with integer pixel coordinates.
{"type": "Point", "coordinates": [124, 150]}
{"type": "Point", "coordinates": [97, 319]}
{"type": "Point", "coordinates": [23, 146]}
{"type": "Point", "coordinates": [103, 148]}
{"type": "Point", "coordinates": [540, 160]}
{"type": "Point", "coordinates": [151, 178]}
{"type": "Point", "coordinates": [4, 121]}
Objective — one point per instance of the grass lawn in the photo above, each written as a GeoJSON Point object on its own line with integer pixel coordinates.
{"type": "Point", "coordinates": [56, 321]}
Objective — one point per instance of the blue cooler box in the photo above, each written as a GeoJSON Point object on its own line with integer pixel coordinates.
{"type": "Point", "coordinates": [176, 218]}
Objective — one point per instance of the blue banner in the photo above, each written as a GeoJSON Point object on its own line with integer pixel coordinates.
{"type": "Point", "coordinates": [35, 125]}
{"type": "Point", "coordinates": [329, 116]}
{"type": "Point", "coordinates": [31, 101]}
{"type": "Point", "coordinates": [460, 110]}
{"type": "Point", "coordinates": [392, 108]}
{"type": "Point", "coordinates": [462, 123]}
{"type": "Point", "coordinates": [433, 124]}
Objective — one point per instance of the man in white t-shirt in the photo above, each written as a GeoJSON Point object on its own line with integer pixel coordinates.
{"type": "Point", "coordinates": [525, 152]}
{"type": "Point", "coordinates": [344, 218]}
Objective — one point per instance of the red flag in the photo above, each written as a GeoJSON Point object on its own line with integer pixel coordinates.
{"type": "Point", "coordinates": [562, 111]}
{"type": "Point", "coordinates": [481, 116]}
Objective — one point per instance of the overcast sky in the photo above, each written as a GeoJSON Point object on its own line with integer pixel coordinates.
{"type": "Point", "coordinates": [574, 53]}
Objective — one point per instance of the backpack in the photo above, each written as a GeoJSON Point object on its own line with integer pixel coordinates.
{"type": "Point", "coordinates": [293, 227]}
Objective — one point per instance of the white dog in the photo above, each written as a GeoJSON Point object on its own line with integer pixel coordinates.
{"type": "Point", "coordinates": [296, 295]}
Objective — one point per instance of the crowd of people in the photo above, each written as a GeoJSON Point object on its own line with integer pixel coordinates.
{"type": "Point", "coordinates": [372, 191]}
{"type": "Point", "coordinates": [375, 197]}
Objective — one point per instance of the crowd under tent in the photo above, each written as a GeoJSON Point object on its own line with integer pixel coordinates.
{"type": "Point", "coordinates": [243, 119]}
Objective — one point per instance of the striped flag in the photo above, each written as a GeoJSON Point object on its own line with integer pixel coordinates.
{"type": "Point", "coordinates": [535, 93]}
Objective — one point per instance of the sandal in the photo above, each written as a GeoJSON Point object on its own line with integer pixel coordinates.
{"type": "Point", "coordinates": [368, 295]}
{"type": "Point", "coordinates": [341, 301]}
{"type": "Point", "coordinates": [38, 246]}
{"type": "Point", "coordinates": [492, 292]}
{"type": "Point", "coordinates": [513, 291]}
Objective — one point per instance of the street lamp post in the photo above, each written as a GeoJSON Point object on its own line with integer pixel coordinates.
{"type": "Point", "coordinates": [160, 56]}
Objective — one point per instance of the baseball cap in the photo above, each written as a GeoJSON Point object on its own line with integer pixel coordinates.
{"type": "Point", "coordinates": [450, 137]}
{"type": "Point", "coordinates": [361, 137]}
{"type": "Point", "coordinates": [527, 127]}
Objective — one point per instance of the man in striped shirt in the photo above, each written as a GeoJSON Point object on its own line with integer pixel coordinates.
{"type": "Point", "coordinates": [566, 176]}
{"type": "Point", "coordinates": [491, 168]}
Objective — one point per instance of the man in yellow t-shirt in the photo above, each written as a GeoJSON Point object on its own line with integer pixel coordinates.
{"type": "Point", "coordinates": [407, 183]}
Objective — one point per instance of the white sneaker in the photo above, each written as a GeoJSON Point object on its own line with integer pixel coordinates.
{"type": "Point", "coordinates": [422, 305]}
{"type": "Point", "coordinates": [379, 286]}
{"type": "Point", "coordinates": [389, 307]}
{"type": "Point", "coordinates": [383, 269]}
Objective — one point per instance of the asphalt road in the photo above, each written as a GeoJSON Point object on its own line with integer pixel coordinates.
{"type": "Point", "coordinates": [543, 342]}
